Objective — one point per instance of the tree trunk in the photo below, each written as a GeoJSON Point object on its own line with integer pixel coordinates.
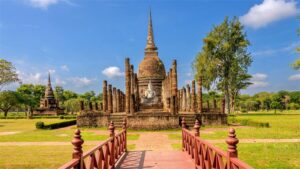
{"type": "Point", "coordinates": [227, 98]}
{"type": "Point", "coordinates": [5, 113]}
{"type": "Point", "coordinates": [232, 104]}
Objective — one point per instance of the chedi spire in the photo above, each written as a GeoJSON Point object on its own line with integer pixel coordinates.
{"type": "Point", "coordinates": [150, 46]}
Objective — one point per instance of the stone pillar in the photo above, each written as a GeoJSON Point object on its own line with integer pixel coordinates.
{"type": "Point", "coordinates": [127, 85]}
{"type": "Point", "coordinates": [104, 92]}
{"type": "Point", "coordinates": [114, 100]}
{"type": "Point", "coordinates": [96, 106]}
{"type": "Point", "coordinates": [193, 99]}
{"type": "Point", "coordinates": [199, 83]}
{"type": "Point", "coordinates": [215, 104]}
{"type": "Point", "coordinates": [109, 100]}
{"type": "Point", "coordinates": [174, 84]}
{"type": "Point", "coordinates": [136, 93]}
{"type": "Point", "coordinates": [91, 106]}
{"type": "Point", "coordinates": [81, 105]}
{"type": "Point", "coordinates": [172, 104]}
{"type": "Point", "coordinates": [118, 101]}
{"type": "Point", "coordinates": [188, 98]}
{"type": "Point", "coordinates": [184, 99]}
{"type": "Point", "coordinates": [101, 107]}
{"type": "Point", "coordinates": [132, 104]}
{"type": "Point", "coordinates": [132, 82]}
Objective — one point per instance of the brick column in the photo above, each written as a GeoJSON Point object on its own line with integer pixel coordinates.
{"type": "Point", "coordinates": [193, 99]}
{"type": "Point", "coordinates": [109, 100]}
{"type": "Point", "coordinates": [137, 94]}
{"type": "Point", "coordinates": [188, 98]}
{"type": "Point", "coordinates": [127, 85]}
{"type": "Point", "coordinates": [174, 84]}
{"type": "Point", "coordinates": [118, 100]}
{"type": "Point", "coordinates": [184, 98]}
{"type": "Point", "coordinates": [132, 104]}
{"type": "Point", "coordinates": [114, 105]}
{"type": "Point", "coordinates": [199, 99]}
{"type": "Point", "coordinates": [104, 92]}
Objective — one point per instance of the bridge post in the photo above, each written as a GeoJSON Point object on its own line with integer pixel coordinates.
{"type": "Point", "coordinates": [125, 130]}
{"type": "Point", "coordinates": [232, 152]}
{"type": "Point", "coordinates": [112, 153]}
{"type": "Point", "coordinates": [196, 134]}
{"type": "Point", "coordinates": [183, 126]}
{"type": "Point", "coordinates": [77, 152]}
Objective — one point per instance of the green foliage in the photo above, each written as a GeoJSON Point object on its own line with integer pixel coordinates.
{"type": "Point", "coordinates": [55, 125]}
{"type": "Point", "coordinates": [224, 60]}
{"type": "Point", "coordinates": [39, 125]}
{"type": "Point", "coordinates": [8, 73]}
{"type": "Point", "coordinates": [8, 99]}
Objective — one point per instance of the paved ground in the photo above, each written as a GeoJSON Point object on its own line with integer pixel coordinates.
{"type": "Point", "coordinates": [156, 160]}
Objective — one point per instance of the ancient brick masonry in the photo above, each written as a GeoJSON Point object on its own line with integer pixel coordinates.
{"type": "Point", "coordinates": [104, 91]}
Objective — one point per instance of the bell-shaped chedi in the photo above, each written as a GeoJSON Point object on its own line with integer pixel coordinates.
{"type": "Point", "coordinates": [151, 70]}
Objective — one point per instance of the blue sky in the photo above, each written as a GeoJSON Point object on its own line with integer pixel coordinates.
{"type": "Point", "coordinates": [82, 42]}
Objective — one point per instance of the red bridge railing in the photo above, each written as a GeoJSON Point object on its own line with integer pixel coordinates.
{"type": "Point", "coordinates": [208, 156]}
{"type": "Point", "coordinates": [102, 156]}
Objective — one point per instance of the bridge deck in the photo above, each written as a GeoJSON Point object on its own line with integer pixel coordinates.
{"type": "Point", "coordinates": [156, 160]}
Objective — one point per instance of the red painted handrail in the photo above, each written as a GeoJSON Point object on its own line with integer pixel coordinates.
{"type": "Point", "coordinates": [102, 156]}
{"type": "Point", "coordinates": [208, 156]}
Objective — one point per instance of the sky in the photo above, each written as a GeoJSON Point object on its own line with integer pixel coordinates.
{"type": "Point", "coordinates": [83, 42]}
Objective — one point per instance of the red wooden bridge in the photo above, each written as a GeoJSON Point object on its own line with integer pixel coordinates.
{"type": "Point", "coordinates": [196, 153]}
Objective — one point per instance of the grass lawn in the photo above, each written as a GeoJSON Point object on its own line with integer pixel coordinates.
{"type": "Point", "coordinates": [26, 131]}
{"type": "Point", "coordinates": [265, 155]}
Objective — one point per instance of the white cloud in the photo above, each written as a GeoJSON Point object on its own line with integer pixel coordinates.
{"type": "Point", "coordinates": [258, 80]}
{"type": "Point", "coordinates": [34, 78]}
{"type": "Point", "coordinates": [269, 11]}
{"type": "Point", "coordinates": [112, 72]}
{"type": "Point", "coordinates": [43, 4]}
{"type": "Point", "coordinates": [295, 77]}
{"type": "Point", "coordinates": [51, 71]}
{"type": "Point", "coordinates": [291, 48]}
{"type": "Point", "coordinates": [60, 82]}
{"type": "Point", "coordinates": [65, 68]}
{"type": "Point", "coordinates": [81, 81]}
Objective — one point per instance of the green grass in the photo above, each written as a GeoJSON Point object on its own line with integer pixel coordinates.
{"type": "Point", "coordinates": [35, 157]}
{"type": "Point", "coordinates": [131, 147]}
{"type": "Point", "coordinates": [269, 155]}
{"type": "Point", "coordinates": [176, 146]}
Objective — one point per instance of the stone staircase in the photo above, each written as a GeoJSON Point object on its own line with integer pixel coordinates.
{"type": "Point", "coordinates": [117, 119]}
{"type": "Point", "coordinates": [189, 119]}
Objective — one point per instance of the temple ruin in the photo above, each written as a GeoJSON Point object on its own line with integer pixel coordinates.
{"type": "Point", "coordinates": [49, 105]}
{"type": "Point", "coordinates": [152, 98]}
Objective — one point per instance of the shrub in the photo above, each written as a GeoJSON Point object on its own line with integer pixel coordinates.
{"type": "Point", "coordinates": [57, 125]}
{"type": "Point", "coordinates": [61, 117]}
{"type": "Point", "coordinates": [39, 125]}
{"type": "Point", "coordinates": [247, 122]}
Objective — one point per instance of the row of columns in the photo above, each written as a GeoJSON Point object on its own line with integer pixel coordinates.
{"type": "Point", "coordinates": [132, 89]}
{"type": "Point", "coordinates": [91, 107]}
{"type": "Point", "coordinates": [113, 99]}
{"type": "Point", "coordinates": [190, 102]}
{"type": "Point", "coordinates": [169, 87]}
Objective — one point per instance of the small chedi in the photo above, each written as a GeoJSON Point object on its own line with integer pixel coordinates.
{"type": "Point", "coordinates": [152, 99]}
{"type": "Point", "coordinates": [49, 105]}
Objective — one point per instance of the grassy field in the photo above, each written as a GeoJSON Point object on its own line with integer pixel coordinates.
{"type": "Point", "coordinates": [260, 155]}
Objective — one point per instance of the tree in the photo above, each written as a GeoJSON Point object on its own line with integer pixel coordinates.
{"type": "Point", "coordinates": [276, 105]}
{"type": "Point", "coordinates": [8, 99]}
{"type": "Point", "coordinates": [68, 94]}
{"type": "Point", "coordinates": [89, 96]}
{"type": "Point", "coordinates": [296, 64]}
{"type": "Point", "coordinates": [32, 95]}
{"type": "Point", "coordinates": [59, 94]}
{"type": "Point", "coordinates": [224, 59]}
{"type": "Point", "coordinates": [8, 73]}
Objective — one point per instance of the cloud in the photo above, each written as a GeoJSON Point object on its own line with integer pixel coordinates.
{"type": "Point", "coordinates": [112, 72]}
{"type": "Point", "coordinates": [51, 71]}
{"type": "Point", "coordinates": [291, 48]}
{"type": "Point", "coordinates": [295, 77]}
{"type": "Point", "coordinates": [34, 78]}
{"type": "Point", "coordinates": [81, 81]}
{"type": "Point", "coordinates": [269, 11]}
{"type": "Point", "coordinates": [65, 68]}
{"type": "Point", "coordinates": [60, 82]}
{"type": "Point", "coordinates": [258, 80]}
{"type": "Point", "coordinates": [44, 4]}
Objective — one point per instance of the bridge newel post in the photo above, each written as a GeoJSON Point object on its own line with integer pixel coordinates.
{"type": "Point", "coordinates": [232, 142]}
{"type": "Point", "coordinates": [183, 126]}
{"type": "Point", "coordinates": [77, 142]}
{"type": "Point", "coordinates": [125, 130]}
{"type": "Point", "coordinates": [111, 129]}
{"type": "Point", "coordinates": [197, 134]}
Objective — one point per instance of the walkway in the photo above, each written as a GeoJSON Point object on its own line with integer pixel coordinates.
{"type": "Point", "coordinates": [156, 160]}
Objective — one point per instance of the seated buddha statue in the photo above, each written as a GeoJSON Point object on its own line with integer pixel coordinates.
{"type": "Point", "coordinates": [149, 93]}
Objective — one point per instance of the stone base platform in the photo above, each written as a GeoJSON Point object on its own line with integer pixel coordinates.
{"type": "Point", "coordinates": [153, 121]}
